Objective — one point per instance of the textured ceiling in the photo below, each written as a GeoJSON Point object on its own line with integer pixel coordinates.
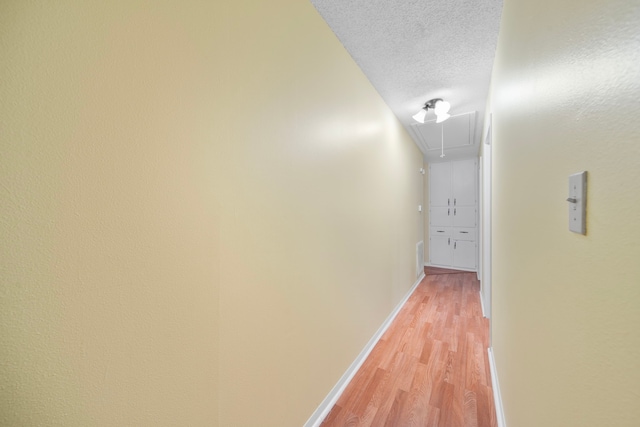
{"type": "Point", "coordinates": [413, 51]}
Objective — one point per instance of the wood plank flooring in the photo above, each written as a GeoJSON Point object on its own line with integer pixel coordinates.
{"type": "Point", "coordinates": [430, 368]}
{"type": "Point", "coordinates": [429, 271]}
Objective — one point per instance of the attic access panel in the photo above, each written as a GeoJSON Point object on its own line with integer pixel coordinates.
{"type": "Point", "coordinates": [458, 132]}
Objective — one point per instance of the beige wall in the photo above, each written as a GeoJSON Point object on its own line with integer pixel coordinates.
{"type": "Point", "coordinates": [110, 216]}
{"type": "Point", "coordinates": [320, 217]}
{"type": "Point", "coordinates": [565, 93]}
{"type": "Point", "coordinates": [206, 210]}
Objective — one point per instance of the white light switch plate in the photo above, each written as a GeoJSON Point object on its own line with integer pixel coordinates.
{"type": "Point", "coordinates": [578, 202]}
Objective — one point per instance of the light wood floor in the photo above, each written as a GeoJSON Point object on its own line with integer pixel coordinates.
{"type": "Point", "coordinates": [429, 271]}
{"type": "Point", "coordinates": [430, 368]}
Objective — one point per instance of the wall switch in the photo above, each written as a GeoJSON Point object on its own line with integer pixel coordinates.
{"type": "Point", "coordinates": [419, 208]}
{"type": "Point", "coordinates": [578, 202]}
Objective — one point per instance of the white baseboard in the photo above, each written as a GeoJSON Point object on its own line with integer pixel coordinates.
{"type": "Point", "coordinates": [323, 410]}
{"type": "Point", "coordinates": [470, 270]}
{"type": "Point", "coordinates": [482, 304]}
{"type": "Point", "coordinates": [495, 385]}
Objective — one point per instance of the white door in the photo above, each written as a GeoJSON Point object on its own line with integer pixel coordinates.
{"type": "Point", "coordinates": [464, 254]}
{"type": "Point", "coordinates": [440, 250]}
{"type": "Point", "coordinates": [440, 216]}
{"type": "Point", "coordinates": [440, 184]}
{"type": "Point", "coordinates": [464, 182]}
{"type": "Point", "coordinates": [464, 216]}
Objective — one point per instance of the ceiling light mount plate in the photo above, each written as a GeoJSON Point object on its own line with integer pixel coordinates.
{"type": "Point", "coordinates": [431, 104]}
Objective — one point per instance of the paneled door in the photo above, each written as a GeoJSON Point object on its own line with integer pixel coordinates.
{"type": "Point", "coordinates": [440, 184]}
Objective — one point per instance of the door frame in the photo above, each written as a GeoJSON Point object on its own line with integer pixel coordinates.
{"type": "Point", "coordinates": [486, 224]}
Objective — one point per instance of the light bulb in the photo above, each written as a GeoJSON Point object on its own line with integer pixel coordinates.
{"type": "Point", "coordinates": [441, 107]}
{"type": "Point", "coordinates": [420, 115]}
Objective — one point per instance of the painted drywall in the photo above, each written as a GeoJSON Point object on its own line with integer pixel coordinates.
{"type": "Point", "coordinates": [206, 210]}
{"type": "Point", "coordinates": [110, 214]}
{"type": "Point", "coordinates": [320, 219]}
{"type": "Point", "coordinates": [566, 307]}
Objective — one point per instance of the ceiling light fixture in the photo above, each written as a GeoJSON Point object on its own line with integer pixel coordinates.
{"type": "Point", "coordinates": [440, 107]}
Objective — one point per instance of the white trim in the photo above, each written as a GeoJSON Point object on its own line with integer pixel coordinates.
{"type": "Point", "coordinates": [495, 385]}
{"type": "Point", "coordinates": [486, 224]}
{"type": "Point", "coordinates": [449, 267]}
{"type": "Point", "coordinates": [482, 303]}
{"type": "Point", "coordinates": [481, 206]}
{"type": "Point", "coordinates": [325, 407]}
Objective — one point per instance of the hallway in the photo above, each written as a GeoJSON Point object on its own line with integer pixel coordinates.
{"type": "Point", "coordinates": [210, 212]}
{"type": "Point", "coordinates": [430, 368]}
